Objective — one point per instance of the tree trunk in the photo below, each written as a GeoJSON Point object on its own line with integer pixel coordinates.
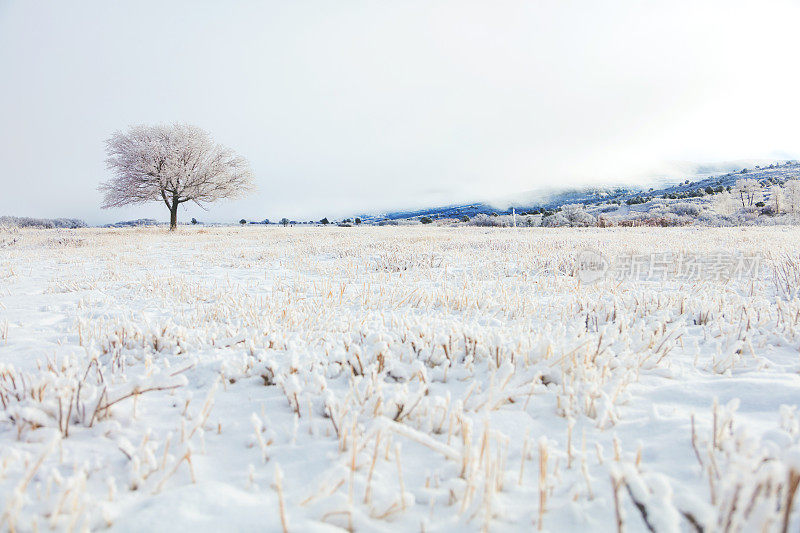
{"type": "Point", "coordinates": [173, 216]}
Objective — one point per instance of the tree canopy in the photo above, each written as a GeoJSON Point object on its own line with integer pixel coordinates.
{"type": "Point", "coordinates": [175, 164]}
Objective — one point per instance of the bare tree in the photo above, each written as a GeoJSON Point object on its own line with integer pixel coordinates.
{"type": "Point", "coordinates": [748, 191]}
{"type": "Point", "coordinates": [172, 163]}
{"type": "Point", "coordinates": [777, 199]}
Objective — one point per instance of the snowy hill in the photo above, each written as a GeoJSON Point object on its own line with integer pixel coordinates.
{"type": "Point", "coordinates": [690, 190]}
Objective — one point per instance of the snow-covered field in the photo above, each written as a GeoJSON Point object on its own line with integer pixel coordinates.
{"type": "Point", "coordinates": [399, 379]}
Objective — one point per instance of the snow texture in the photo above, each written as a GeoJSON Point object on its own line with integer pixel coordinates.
{"type": "Point", "coordinates": [394, 378]}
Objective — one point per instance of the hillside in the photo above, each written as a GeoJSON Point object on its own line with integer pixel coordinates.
{"type": "Point", "coordinates": [593, 197]}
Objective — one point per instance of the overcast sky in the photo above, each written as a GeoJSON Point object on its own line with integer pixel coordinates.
{"type": "Point", "coordinates": [345, 107]}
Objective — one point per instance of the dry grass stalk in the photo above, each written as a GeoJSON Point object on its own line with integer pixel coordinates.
{"type": "Point", "coordinates": [281, 504]}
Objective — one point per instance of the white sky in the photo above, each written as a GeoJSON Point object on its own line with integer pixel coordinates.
{"type": "Point", "coordinates": [352, 106]}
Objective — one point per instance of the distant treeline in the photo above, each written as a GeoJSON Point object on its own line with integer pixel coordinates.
{"type": "Point", "coordinates": [27, 222]}
{"type": "Point", "coordinates": [133, 223]}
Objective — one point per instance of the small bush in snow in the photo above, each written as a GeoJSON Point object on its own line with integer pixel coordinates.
{"type": "Point", "coordinates": [686, 208]}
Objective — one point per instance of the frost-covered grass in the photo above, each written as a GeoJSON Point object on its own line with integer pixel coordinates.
{"type": "Point", "coordinates": [394, 378]}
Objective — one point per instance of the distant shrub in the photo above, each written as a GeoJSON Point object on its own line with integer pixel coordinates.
{"type": "Point", "coordinates": [243, 222]}
{"type": "Point", "coordinates": [637, 200]}
{"type": "Point", "coordinates": [426, 220]}
{"type": "Point", "coordinates": [685, 208]}
{"type": "Point", "coordinates": [358, 221]}
{"type": "Point", "coordinates": [464, 218]}
{"type": "Point", "coordinates": [324, 221]}
{"type": "Point", "coordinates": [654, 221]}
{"type": "Point", "coordinates": [484, 220]}
{"type": "Point", "coordinates": [194, 221]}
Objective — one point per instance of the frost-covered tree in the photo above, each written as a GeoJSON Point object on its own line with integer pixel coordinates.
{"type": "Point", "coordinates": [791, 195]}
{"type": "Point", "coordinates": [175, 164]}
{"type": "Point", "coordinates": [726, 204]}
{"type": "Point", "coordinates": [748, 191]}
{"type": "Point", "coordinates": [577, 215]}
{"type": "Point", "coordinates": [555, 220]}
{"type": "Point", "coordinates": [777, 201]}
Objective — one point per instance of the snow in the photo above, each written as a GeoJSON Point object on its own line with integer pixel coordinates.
{"type": "Point", "coordinates": [393, 378]}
